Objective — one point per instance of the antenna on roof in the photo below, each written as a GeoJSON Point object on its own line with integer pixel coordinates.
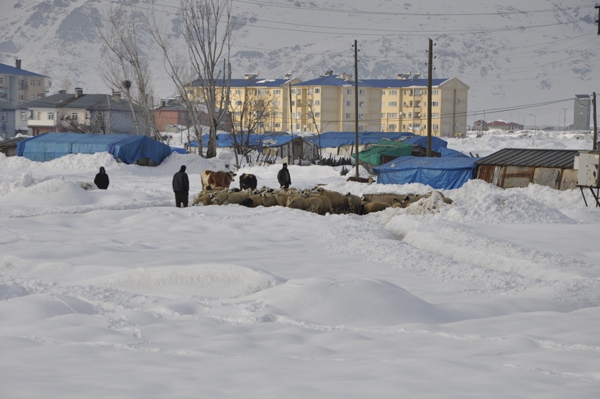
{"type": "Point", "coordinates": [288, 75]}
{"type": "Point", "coordinates": [417, 75]}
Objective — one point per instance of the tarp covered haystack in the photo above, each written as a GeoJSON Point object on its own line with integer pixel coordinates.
{"type": "Point", "coordinates": [439, 173]}
{"type": "Point", "coordinates": [339, 139]}
{"type": "Point", "coordinates": [226, 140]}
{"type": "Point", "coordinates": [124, 147]}
{"type": "Point", "coordinates": [383, 151]}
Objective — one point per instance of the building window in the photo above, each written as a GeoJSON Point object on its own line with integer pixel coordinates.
{"type": "Point", "coordinates": [87, 115]}
{"type": "Point", "coordinates": [317, 102]}
{"type": "Point", "coordinates": [51, 116]}
{"type": "Point", "coordinates": [435, 104]}
{"type": "Point", "coordinates": [317, 114]}
{"type": "Point", "coordinates": [361, 103]}
{"type": "Point", "coordinates": [361, 116]}
{"type": "Point", "coordinates": [434, 92]}
{"type": "Point", "coordinates": [417, 92]}
{"type": "Point", "coordinates": [393, 92]}
{"type": "Point", "coordinates": [348, 103]}
{"type": "Point", "coordinates": [417, 126]}
{"type": "Point", "coordinates": [410, 114]}
{"type": "Point", "coordinates": [4, 117]}
{"type": "Point", "coordinates": [39, 82]}
{"type": "Point", "coordinates": [238, 91]}
{"type": "Point", "coordinates": [348, 116]}
{"type": "Point", "coordinates": [277, 91]}
{"type": "Point", "coordinates": [74, 116]}
{"type": "Point", "coordinates": [435, 127]}
{"type": "Point", "coordinates": [348, 91]}
{"type": "Point", "coordinates": [1, 81]}
{"type": "Point", "coordinates": [361, 92]}
{"type": "Point", "coordinates": [238, 103]}
{"type": "Point", "coordinates": [361, 127]}
{"type": "Point", "coordinates": [32, 82]}
{"type": "Point", "coordinates": [309, 91]}
{"type": "Point", "coordinates": [293, 102]}
{"type": "Point", "coordinates": [297, 126]}
{"type": "Point", "coordinates": [24, 115]}
{"type": "Point", "coordinates": [435, 115]}
{"type": "Point", "coordinates": [383, 103]}
{"type": "Point", "coordinates": [32, 97]}
{"type": "Point", "coordinates": [276, 103]}
{"type": "Point", "coordinates": [261, 92]}
{"type": "Point", "coordinates": [393, 104]}
{"type": "Point", "coordinates": [317, 90]}
{"type": "Point", "coordinates": [21, 97]}
{"type": "Point", "coordinates": [393, 115]}
{"type": "Point", "coordinates": [299, 115]}
{"type": "Point", "coordinates": [392, 128]}
{"type": "Point", "coordinates": [277, 124]}
{"type": "Point", "coordinates": [382, 115]}
{"type": "Point", "coordinates": [383, 92]}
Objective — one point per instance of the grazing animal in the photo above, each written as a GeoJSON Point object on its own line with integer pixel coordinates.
{"type": "Point", "coordinates": [375, 206]}
{"type": "Point", "coordinates": [354, 203]}
{"type": "Point", "coordinates": [219, 197]}
{"type": "Point", "coordinates": [248, 181]}
{"type": "Point", "coordinates": [339, 202]}
{"type": "Point", "coordinates": [253, 201]}
{"type": "Point", "coordinates": [269, 199]}
{"type": "Point", "coordinates": [380, 197]}
{"type": "Point", "coordinates": [203, 197]}
{"type": "Point", "coordinates": [324, 204]}
{"type": "Point", "coordinates": [211, 179]}
{"type": "Point", "coordinates": [360, 179]}
{"type": "Point", "coordinates": [296, 202]}
{"type": "Point", "coordinates": [236, 198]}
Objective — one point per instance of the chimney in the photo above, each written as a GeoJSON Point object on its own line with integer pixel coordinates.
{"type": "Point", "coordinates": [163, 103]}
{"type": "Point", "coordinates": [62, 92]}
{"type": "Point", "coordinates": [328, 72]}
{"type": "Point", "coordinates": [78, 92]}
{"type": "Point", "coordinates": [116, 96]}
{"type": "Point", "coordinates": [18, 63]}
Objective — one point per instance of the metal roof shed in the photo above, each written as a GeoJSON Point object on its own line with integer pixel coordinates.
{"type": "Point", "coordinates": [518, 167]}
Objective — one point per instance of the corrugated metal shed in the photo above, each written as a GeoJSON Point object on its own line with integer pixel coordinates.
{"type": "Point", "coordinates": [519, 167]}
{"type": "Point", "coordinates": [531, 157]}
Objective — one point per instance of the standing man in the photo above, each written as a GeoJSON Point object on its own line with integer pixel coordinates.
{"type": "Point", "coordinates": [181, 187]}
{"type": "Point", "coordinates": [283, 177]}
{"type": "Point", "coordinates": [101, 180]}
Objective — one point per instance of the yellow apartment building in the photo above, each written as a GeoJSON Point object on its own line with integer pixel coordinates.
{"type": "Point", "coordinates": [18, 85]}
{"type": "Point", "coordinates": [389, 105]}
{"type": "Point", "coordinates": [328, 104]}
{"type": "Point", "coordinates": [257, 105]}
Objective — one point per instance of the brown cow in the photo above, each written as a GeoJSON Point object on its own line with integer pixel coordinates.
{"type": "Point", "coordinates": [211, 179]}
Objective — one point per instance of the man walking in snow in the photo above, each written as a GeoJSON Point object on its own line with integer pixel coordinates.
{"type": "Point", "coordinates": [283, 177]}
{"type": "Point", "coordinates": [181, 187]}
{"type": "Point", "coordinates": [101, 180]}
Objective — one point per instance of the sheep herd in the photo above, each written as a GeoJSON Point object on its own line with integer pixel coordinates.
{"type": "Point", "coordinates": [317, 200]}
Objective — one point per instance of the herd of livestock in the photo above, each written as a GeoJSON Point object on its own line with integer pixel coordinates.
{"type": "Point", "coordinates": [317, 200]}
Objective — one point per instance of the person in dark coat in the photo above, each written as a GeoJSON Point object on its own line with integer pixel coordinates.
{"type": "Point", "coordinates": [181, 187]}
{"type": "Point", "coordinates": [283, 177]}
{"type": "Point", "coordinates": [101, 180]}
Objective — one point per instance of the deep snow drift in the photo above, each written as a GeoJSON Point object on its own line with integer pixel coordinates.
{"type": "Point", "coordinates": [117, 293]}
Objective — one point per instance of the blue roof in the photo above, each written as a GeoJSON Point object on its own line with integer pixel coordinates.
{"type": "Point", "coordinates": [440, 173]}
{"type": "Point", "coordinates": [124, 147]}
{"type": "Point", "coordinates": [248, 82]}
{"type": "Point", "coordinates": [381, 83]}
{"type": "Point", "coordinates": [338, 139]}
{"type": "Point", "coordinates": [11, 70]}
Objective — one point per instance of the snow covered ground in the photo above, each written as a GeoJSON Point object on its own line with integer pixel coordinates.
{"type": "Point", "coordinates": [119, 294]}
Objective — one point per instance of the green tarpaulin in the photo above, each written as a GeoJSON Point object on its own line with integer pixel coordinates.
{"type": "Point", "coordinates": [382, 151]}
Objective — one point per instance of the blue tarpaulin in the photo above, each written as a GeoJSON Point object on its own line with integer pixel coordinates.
{"type": "Point", "coordinates": [338, 139]}
{"type": "Point", "coordinates": [124, 147]}
{"type": "Point", "coordinates": [225, 140]}
{"type": "Point", "coordinates": [439, 173]}
{"type": "Point", "coordinates": [436, 142]}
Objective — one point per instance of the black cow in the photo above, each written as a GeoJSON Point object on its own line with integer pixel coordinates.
{"type": "Point", "coordinates": [248, 181]}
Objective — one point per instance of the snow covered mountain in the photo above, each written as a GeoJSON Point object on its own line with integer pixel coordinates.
{"type": "Point", "coordinates": [519, 58]}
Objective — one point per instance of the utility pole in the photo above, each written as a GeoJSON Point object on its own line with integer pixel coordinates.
{"type": "Point", "coordinates": [598, 20]}
{"type": "Point", "coordinates": [429, 96]}
{"type": "Point", "coordinates": [595, 123]}
{"type": "Point", "coordinates": [356, 102]}
{"type": "Point", "coordinates": [291, 125]}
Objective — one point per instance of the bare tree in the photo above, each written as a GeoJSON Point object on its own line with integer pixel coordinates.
{"type": "Point", "coordinates": [207, 27]}
{"type": "Point", "coordinates": [100, 122]}
{"type": "Point", "coordinates": [125, 67]}
{"type": "Point", "coordinates": [249, 116]}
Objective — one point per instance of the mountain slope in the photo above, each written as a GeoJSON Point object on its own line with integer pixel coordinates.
{"type": "Point", "coordinates": [510, 54]}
